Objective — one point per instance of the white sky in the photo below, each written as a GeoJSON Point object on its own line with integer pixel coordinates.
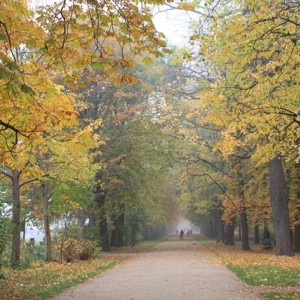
{"type": "Point", "coordinates": [174, 24]}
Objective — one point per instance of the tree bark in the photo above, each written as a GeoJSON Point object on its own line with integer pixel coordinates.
{"type": "Point", "coordinates": [45, 188]}
{"type": "Point", "coordinates": [279, 202]}
{"type": "Point", "coordinates": [16, 212]}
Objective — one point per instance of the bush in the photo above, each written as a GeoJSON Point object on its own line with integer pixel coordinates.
{"type": "Point", "coordinates": [75, 250]}
{"type": "Point", "coordinates": [86, 249]}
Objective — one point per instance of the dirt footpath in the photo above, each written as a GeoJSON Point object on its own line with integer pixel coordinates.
{"type": "Point", "coordinates": [173, 270]}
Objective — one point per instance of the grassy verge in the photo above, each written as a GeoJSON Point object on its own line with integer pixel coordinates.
{"type": "Point", "coordinates": [42, 281]}
{"type": "Point", "coordinates": [282, 296]}
{"type": "Point", "coordinates": [267, 275]}
{"type": "Point", "coordinates": [275, 277]}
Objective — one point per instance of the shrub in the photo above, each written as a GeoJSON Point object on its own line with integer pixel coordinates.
{"type": "Point", "coordinates": [86, 249]}
{"type": "Point", "coordinates": [75, 250]}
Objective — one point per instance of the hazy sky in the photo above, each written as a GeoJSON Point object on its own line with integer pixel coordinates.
{"type": "Point", "coordinates": [174, 24]}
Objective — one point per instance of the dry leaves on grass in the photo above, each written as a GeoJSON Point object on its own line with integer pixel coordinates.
{"type": "Point", "coordinates": [246, 258]}
{"type": "Point", "coordinates": [43, 280]}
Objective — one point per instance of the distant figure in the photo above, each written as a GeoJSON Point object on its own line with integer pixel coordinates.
{"type": "Point", "coordinates": [218, 240]}
{"type": "Point", "coordinates": [176, 231]}
{"type": "Point", "coordinates": [181, 234]}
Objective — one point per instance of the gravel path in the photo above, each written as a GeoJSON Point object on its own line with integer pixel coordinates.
{"type": "Point", "coordinates": [173, 270]}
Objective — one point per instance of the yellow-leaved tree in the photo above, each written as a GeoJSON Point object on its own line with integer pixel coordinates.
{"type": "Point", "coordinates": [254, 52]}
{"type": "Point", "coordinates": [57, 44]}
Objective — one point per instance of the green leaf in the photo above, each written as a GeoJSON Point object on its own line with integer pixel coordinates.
{"type": "Point", "coordinates": [26, 89]}
{"type": "Point", "coordinates": [13, 66]}
{"type": "Point", "coordinates": [4, 73]}
{"type": "Point", "coordinates": [97, 66]}
{"type": "Point", "coordinates": [147, 60]}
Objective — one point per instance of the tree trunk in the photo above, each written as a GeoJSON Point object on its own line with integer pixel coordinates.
{"type": "Point", "coordinates": [91, 217]}
{"type": "Point", "coordinates": [100, 197]}
{"type": "Point", "coordinates": [80, 224]}
{"type": "Point", "coordinates": [45, 188]}
{"type": "Point", "coordinates": [104, 236]}
{"type": "Point", "coordinates": [266, 232]}
{"type": "Point", "coordinates": [256, 234]}
{"type": "Point", "coordinates": [297, 238]}
{"type": "Point", "coordinates": [117, 235]}
{"type": "Point", "coordinates": [16, 212]}
{"type": "Point", "coordinates": [229, 234]}
{"type": "Point", "coordinates": [23, 229]}
{"type": "Point", "coordinates": [279, 202]}
{"type": "Point", "coordinates": [245, 234]}
{"type": "Point", "coordinates": [240, 230]}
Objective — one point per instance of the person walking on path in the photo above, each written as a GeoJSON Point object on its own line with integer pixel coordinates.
{"type": "Point", "coordinates": [181, 234]}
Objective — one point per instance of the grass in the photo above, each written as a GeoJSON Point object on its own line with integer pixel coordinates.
{"type": "Point", "coordinates": [35, 279]}
{"type": "Point", "coordinates": [267, 275]}
{"type": "Point", "coordinates": [282, 296]}
{"type": "Point", "coordinates": [42, 281]}
{"type": "Point", "coordinates": [276, 277]}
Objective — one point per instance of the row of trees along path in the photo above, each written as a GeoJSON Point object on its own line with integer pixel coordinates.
{"type": "Point", "coordinates": [174, 269]}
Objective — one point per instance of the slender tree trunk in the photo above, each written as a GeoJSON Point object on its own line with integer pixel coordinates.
{"type": "Point", "coordinates": [80, 224]}
{"type": "Point", "coordinates": [243, 210]}
{"type": "Point", "coordinates": [104, 236]}
{"type": "Point", "coordinates": [16, 212]}
{"type": "Point", "coordinates": [91, 217]}
{"type": "Point", "coordinates": [297, 238]}
{"type": "Point", "coordinates": [279, 202]}
{"type": "Point", "coordinates": [100, 197]}
{"type": "Point", "coordinates": [23, 229]}
{"type": "Point", "coordinates": [256, 234]}
{"type": "Point", "coordinates": [45, 187]}
{"type": "Point", "coordinates": [245, 233]}
{"type": "Point", "coordinates": [266, 232]}
{"type": "Point", "coordinates": [240, 230]}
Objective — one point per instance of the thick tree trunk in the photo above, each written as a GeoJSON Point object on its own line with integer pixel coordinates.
{"type": "Point", "coordinates": [297, 238]}
{"type": "Point", "coordinates": [279, 202]}
{"type": "Point", "coordinates": [245, 233]}
{"type": "Point", "coordinates": [16, 212]}
{"type": "Point", "coordinates": [80, 224]}
{"type": "Point", "coordinates": [256, 234]}
{"type": "Point", "coordinates": [45, 188]}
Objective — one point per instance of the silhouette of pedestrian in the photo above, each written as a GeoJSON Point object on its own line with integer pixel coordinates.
{"type": "Point", "coordinates": [181, 234]}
